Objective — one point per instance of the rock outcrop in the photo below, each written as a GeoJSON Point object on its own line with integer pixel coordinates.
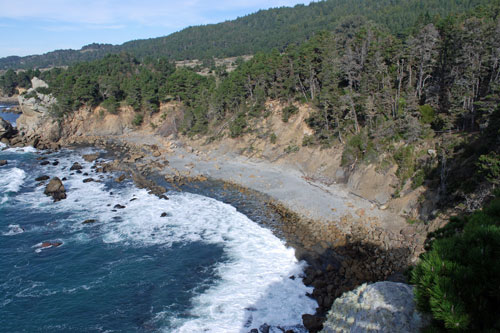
{"type": "Point", "coordinates": [6, 129]}
{"type": "Point", "coordinates": [379, 307]}
{"type": "Point", "coordinates": [55, 189]}
{"type": "Point", "coordinates": [35, 108]}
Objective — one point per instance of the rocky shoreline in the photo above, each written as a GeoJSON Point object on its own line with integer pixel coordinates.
{"type": "Point", "coordinates": [338, 262]}
{"type": "Point", "coordinates": [342, 254]}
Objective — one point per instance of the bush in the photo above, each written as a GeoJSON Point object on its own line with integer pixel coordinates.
{"type": "Point", "coordinates": [489, 167]}
{"type": "Point", "coordinates": [238, 125]}
{"type": "Point", "coordinates": [111, 105]}
{"type": "Point", "coordinates": [358, 148]}
{"type": "Point", "coordinates": [138, 119]}
{"type": "Point", "coordinates": [418, 179]}
{"type": "Point", "coordinates": [307, 140]}
{"type": "Point", "coordinates": [291, 149]}
{"type": "Point", "coordinates": [427, 114]}
{"type": "Point", "coordinates": [288, 111]}
{"type": "Point", "coordinates": [273, 138]}
{"type": "Point", "coordinates": [457, 280]}
{"type": "Point", "coordinates": [406, 163]}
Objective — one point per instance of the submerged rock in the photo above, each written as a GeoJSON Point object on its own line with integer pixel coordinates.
{"type": "Point", "coordinates": [42, 178]}
{"type": "Point", "coordinates": [55, 189]}
{"type": "Point", "coordinates": [89, 221]}
{"type": "Point", "coordinates": [3, 162]}
{"type": "Point", "coordinates": [379, 307]}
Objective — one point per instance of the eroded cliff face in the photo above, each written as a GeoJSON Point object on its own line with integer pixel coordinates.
{"type": "Point", "coordinates": [286, 150]}
{"type": "Point", "coordinates": [35, 118]}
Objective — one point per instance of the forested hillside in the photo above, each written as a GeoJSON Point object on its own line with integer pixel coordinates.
{"type": "Point", "coordinates": [371, 91]}
{"type": "Point", "coordinates": [427, 101]}
{"type": "Point", "coordinates": [261, 31]}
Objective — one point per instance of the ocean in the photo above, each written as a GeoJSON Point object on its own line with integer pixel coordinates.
{"type": "Point", "coordinates": [206, 260]}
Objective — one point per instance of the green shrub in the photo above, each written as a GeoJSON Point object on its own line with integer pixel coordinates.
{"type": "Point", "coordinates": [458, 280]}
{"type": "Point", "coordinates": [111, 105]}
{"type": "Point", "coordinates": [43, 90]}
{"type": "Point", "coordinates": [291, 149]}
{"type": "Point", "coordinates": [418, 179]}
{"type": "Point", "coordinates": [308, 140]}
{"type": "Point", "coordinates": [427, 114]}
{"type": "Point", "coordinates": [237, 127]}
{"type": "Point", "coordinates": [489, 167]}
{"type": "Point", "coordinates": [31, 94]}
{"type": "Point", "coordinates": [273, 138]}
{"type": "Point", "coordinates": [287, 112]}
{"type": "Point", "coordinates": [138, 119]}
{"type": "Point", "coordinates": [405, 159]}
{"type": "Point", "coordinates": [358, 148]}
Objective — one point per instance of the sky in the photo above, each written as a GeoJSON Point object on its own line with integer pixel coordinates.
{"type": "Point", "coordinates": [38, 26]}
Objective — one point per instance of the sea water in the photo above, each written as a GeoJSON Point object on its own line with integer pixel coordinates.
{"type": "Point", "coordinates": [204, 267]}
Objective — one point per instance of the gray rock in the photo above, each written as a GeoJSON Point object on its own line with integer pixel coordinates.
{"type": "Point", "coordinates": [55, 189]}
{"type": "Point", "coordinates": [379, 307]}
{"type": "Point", "coordinates": [6, 129]}
{"type": "Point", "coordinates": [37, 83]}
{"type": "Point", "coordinates": [3, 162]}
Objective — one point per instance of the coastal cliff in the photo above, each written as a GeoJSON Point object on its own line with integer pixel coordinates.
{"type": "Point", "coordinates": [345, 223]}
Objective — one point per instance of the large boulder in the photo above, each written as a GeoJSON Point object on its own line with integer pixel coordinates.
{"type": "Point", "coordinates": [55, 189]}
{"type": "Point", "coordinates": [379, 307]}
{"type": "Point", "coordinates": [6, 129]}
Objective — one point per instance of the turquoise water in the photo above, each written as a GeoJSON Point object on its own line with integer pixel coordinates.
{"type": "Point", "coordinates": [204, 267]}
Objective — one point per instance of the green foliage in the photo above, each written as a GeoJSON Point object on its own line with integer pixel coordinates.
{"type": "Point", "coordinates": [358, 148]}
{"type": "Point", "coordinates": [489, 167]}
{"type": "Point", "coordinates": [427, 114]}
{"type": "Point", "coordinates": [292, 149]}
{"type": "Point", "coordinates": [111, 105]}
{"type": "Point", "coordinates": [273, 138]}
{"type": "Point", "coordinates": [138, 119]}
{"type": "Point", "coordinates": [307, 140]}
{"type": "Point", "coordinates": [405, 158]}
{"type": "Point", "coordinates": [457, 280]}
{"type": "Point", "coordinates": [238, 125]}
{"type": "Point", "coordinates": [31, 94]}
{"type": "Point", "coordinates": [287, 112]}
{"type": "Point", "coordinates": [418, 179]}
{"type": "Point", "coordinates": [261, 31]}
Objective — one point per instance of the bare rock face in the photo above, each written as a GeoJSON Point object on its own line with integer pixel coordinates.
{"type": "Point", "coordinates": [37, 83]}
{"type": "Point", "coordinates": [379, 307]}
{"type": "Point", "coordinates": [55, 189]}
{"type": "Point", "coordinates": [35, 111]}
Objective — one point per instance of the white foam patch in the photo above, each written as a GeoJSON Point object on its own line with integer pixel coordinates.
{"type": "Point", "coordinates": [2, 145]}
{"type": "Point", "coordinates": [254, 285]}
{"type": "Point", "coordinates": [27, 149]}
{"type": "Point", "coordinates": [11, 180]}
{"type": "Point", "coordinates": [14, 229]}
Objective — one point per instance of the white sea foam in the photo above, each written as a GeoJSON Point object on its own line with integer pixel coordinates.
{"type": "Point", "coordinates": [11, 180]}
{"type": "Point", "coordinates": [254, 285]}
{"type": "Point", "coordinates": [14, 229]}
{"type": "Point", "coordinates": [27, 149]}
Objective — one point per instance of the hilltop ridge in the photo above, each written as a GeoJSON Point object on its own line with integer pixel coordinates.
{"type": "Point", "coordinates": [260, 31]}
